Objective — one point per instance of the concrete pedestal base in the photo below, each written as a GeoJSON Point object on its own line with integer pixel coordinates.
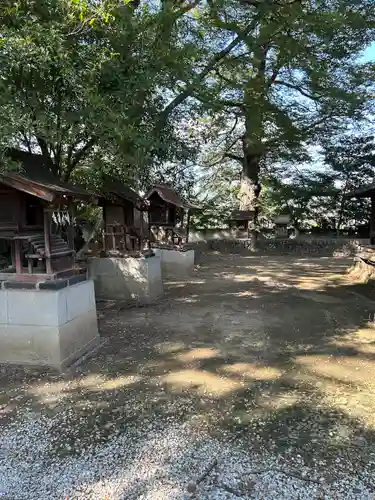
{"type": "Point", "coordinates": [128, 279]}
{"type": "Point", "coordinates": [48, 327]}
{"type": "Point", "coordinates": [175, 263]}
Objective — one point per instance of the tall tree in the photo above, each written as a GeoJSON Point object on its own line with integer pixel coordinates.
{"type": "Point", "coordinates": [294, 77]}
{"type": "Point", "coordinates": [350, 160]}
{"type": "Point", "coordinates": [320, 197]}
{"type": "Point", "coordinates": [82, 81]}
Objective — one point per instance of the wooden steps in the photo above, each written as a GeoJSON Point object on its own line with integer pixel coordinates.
{"type": "Point", "coordinates": [59, 247]}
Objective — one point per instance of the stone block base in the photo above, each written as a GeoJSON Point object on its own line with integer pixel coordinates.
{"type": "Point", "coordinates": [129, 279]}
{"type": "Point", "coordinates": [175, 263]}
{"type": "Point", "coordinates": [53, 327]}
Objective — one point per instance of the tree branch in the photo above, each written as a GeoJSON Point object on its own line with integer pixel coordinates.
{"type": "Point", "coordinates": [26, 141]}
{"type": "Point", "coordinates": [318, 122]}
{"type": "Point", "coordinates": [45, 153]}
{"type": "Point", "coordinates": [234, 157]}
{"type": "Point", "coordinates": [202, 75]}
{"type": "Point", "coordinates": [215, 103]}
{"type": "Point", "coordinates": [299, 89]}
{"type": "Point", "coordinates": [273, 77]}
{"type": "Point", "coordinates": [74, 160]}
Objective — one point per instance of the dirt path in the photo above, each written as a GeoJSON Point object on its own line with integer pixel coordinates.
{"type": "Point", "coordinates": [273, 357]}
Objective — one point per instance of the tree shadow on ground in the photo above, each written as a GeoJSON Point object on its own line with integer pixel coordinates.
{"type": "Point", "coordinates": [286, 369]}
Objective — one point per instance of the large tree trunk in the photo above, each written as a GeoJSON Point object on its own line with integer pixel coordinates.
{"type": "Point", "coordinates": [250, 186]}
{"type": "Point", "coordinates": [252, 145]}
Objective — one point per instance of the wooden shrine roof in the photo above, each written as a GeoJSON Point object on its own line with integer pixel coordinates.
{"type": "Point", "coordinates": [168, 195]}
{"type": "Point", "coordinates": [112, 187]}
{"type": "Point", "coordinates": [241, 215]}
{"type": "Point", "coordinates": [34, 177]}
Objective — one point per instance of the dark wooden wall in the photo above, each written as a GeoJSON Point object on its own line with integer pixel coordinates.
{"type": "Point", "coordinates": [19, 210]}
{"type": "Point", "coordinates": [119, 214]}
{"type": "Point", "coordinates": [9, 208]}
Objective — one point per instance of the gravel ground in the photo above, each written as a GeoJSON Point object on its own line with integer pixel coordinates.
{"type": "Point", "coordinates": [263, 365]}
{"type": "Point", "coordinates": [158, 462]}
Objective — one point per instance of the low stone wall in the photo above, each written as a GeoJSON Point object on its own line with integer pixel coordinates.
{"type": "Point", "coordinates": [215, 234]}
{"type": "Point", "coordinates": [176, 263]}
{"type": "Point", "coordinates": [130, 279]}
{"type": "Point", "coordinates": [52, 324]}
{"type": "Point", "coordinates": [308, 247]}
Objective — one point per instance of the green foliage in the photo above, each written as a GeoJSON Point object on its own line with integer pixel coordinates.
{"type": "Point", "coordinates": [190, 92]}
{"type": "Point", "coordinates": [293, 80]}
{"type": "Point", "coordinates": [293, 76]}
{"type": "Point", "coordinates": [82, 83]}
{"type": "Point", "coordinates": [215, 210]}
{"type": "Point", "coordinates": [321, 198]}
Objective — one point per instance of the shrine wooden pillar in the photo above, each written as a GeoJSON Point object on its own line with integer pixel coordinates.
{"type": "Point", "coordinates": [167, 221]}
{"type": "Point", "coordinates": [71, 214]}
{"type": "Point", "coordinates": [17, 249]}
{"type": "Point", "coordinates": [47, 240]}
{"type": "Point", "coordinates": [18, 256]}
{"type": "Point", "coordinates": [104, 234]}
{"type": "Point", "coordinates": [149, 226]}
{"type": "Point", "coordinates": [372, 220]}
{"type": "Point", "coordinates": [187, 226]}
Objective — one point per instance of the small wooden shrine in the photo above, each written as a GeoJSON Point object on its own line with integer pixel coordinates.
{"type": "Point", "coordinates": [240, 219]}
{"type": "Point", "coordinates": [30, 198]}
{"type": "Point", "coordinates": [169, 215]}
{"type": "Point", "coordinates": [367, 192]}
{"type": "Point", "coordinates": [281, 225]}
{"type": "Point", "coordinates": [123, 209]}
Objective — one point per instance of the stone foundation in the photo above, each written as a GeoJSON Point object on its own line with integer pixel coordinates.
{"type": "Point", "coordinates": [297, 247]}
{"type": "Point", "coordinates": [48, 324]}
{"type": "Point", "coordinates": [129, 279]}
{"type": "Point", "coordinates": [175, 263]}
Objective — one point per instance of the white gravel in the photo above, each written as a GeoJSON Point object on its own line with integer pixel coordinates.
{"type": "Point", "coordinates": [153, 462]}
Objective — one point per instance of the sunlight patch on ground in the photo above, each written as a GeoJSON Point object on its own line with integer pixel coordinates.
{"type": "Point", "coordinates": [182, 284]}
{"type": "Point", "coordinates": [119, 382]}
{"type": "Point", "coordinates": [252, 371]}
{"type": "Point", "coordinates": [341, 369]}
{"type": "Point", "coordinates": [202, 382]}
{"type": "Point", "coordinates": [247, 294]}
{"type": "Point", "coordinates": [362, 341]}
{"type": "Point", "coordinates": [197, 354]}
{"type": "Point", "coordinates": [187, 300]}
{"type": "Point", "coordinates": [347, 383]}
{"type": "Point", "coordinates": [54, 392]}
{"type": "Point", "coordinates": [236, 277]}
{"type": "Point", "coordinates": [169, 347]}
{"type": "Point", "coordinates": [269, 401]}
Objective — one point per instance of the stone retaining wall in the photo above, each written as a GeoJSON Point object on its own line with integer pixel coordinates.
{"type": "Point", "coordinates": [215, 234]}
{"type": "Point", "coordinates": [302, 247]}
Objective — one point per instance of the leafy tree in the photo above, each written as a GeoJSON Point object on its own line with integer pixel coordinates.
{"type": "Point", "coordinates": [351, 161]}
{"type": "Point", "coordinates": [302, 197]}
{"type": "Point", "coordinates": [82, 82]}
{"type": "Point", "coordinates": [320, 198]}
{"type": "Point", "coordinates": [118, 86]}
{"type": "Point", "coordinates": [293, 78]}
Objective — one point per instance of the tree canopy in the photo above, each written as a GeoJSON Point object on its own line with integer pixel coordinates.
{"type": "Point", "coordinates": [199, 92]}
